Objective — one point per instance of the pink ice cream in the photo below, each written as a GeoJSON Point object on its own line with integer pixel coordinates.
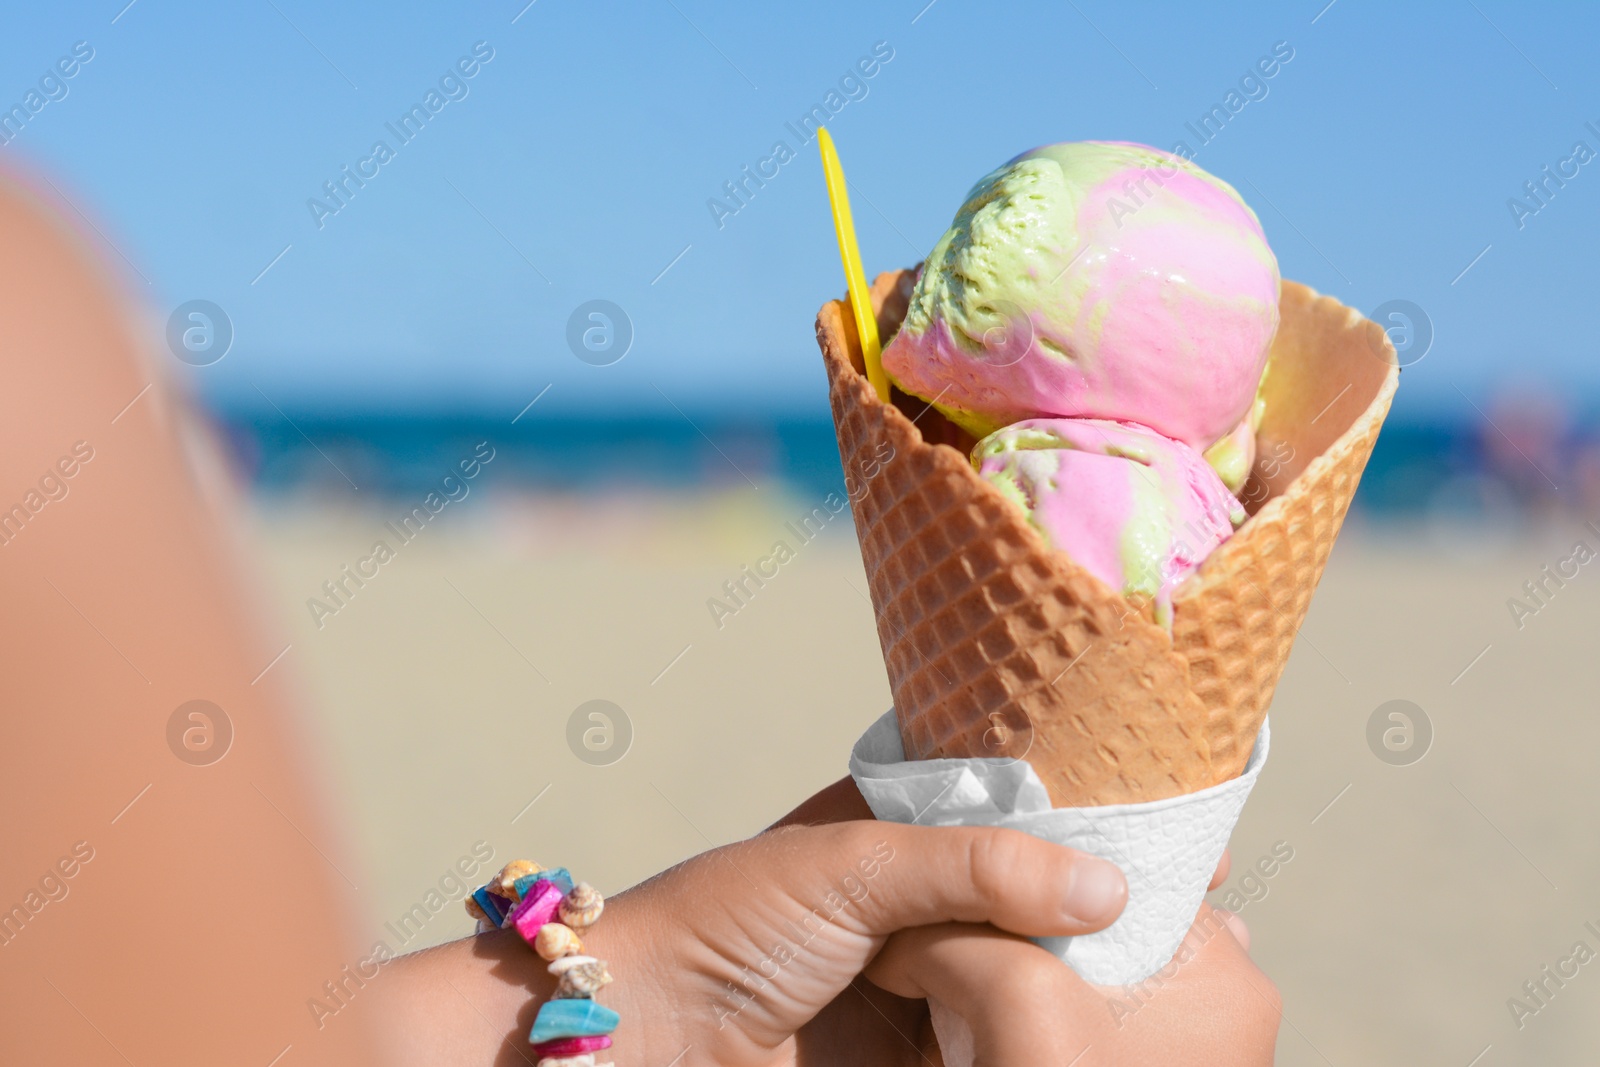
{"type": "Point", "coordinates": [1137, 510]}
{"type": "Point", "coordinates": [1100, 315]}
{"type": "Point", "coordinates": [1098, 280]}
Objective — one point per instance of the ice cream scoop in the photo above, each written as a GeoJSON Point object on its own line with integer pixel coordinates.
{"type": "Point", "coordinates": [1138, 510]}
{"type": "Point", "coordinates": [1234, 455]}
{"type": "Point", "coordinates": [1100, 280]}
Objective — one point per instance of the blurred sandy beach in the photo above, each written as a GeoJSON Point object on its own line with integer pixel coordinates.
{"type": "Point", "coordinates": [1418, 900]}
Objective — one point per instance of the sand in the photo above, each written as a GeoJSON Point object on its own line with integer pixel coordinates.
{"type": "Point", "coordinates": [1418, 900]}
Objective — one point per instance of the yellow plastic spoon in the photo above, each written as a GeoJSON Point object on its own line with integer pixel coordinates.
{"type": "Point", "coordinates": [855, 277]}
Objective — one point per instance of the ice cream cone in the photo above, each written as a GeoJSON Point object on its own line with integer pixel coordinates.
{"type": "Point", "coordinates": [999, 645]}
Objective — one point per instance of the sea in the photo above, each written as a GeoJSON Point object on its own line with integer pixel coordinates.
{"type": "Point", "coordinates": [1455, 467]}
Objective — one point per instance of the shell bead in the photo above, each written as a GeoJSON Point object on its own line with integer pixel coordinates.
{"type": "Point", "coordinates": [582, 907]}
{"type": "Point", "coordinates": [555, 940]}
{"type": "Point", "coordinates": [505, 883]}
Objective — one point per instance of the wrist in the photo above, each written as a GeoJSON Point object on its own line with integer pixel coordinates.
{"type": "Point", "coordinates": [542, 929]}
{"type": "Point", "coordinates": [653, 1029]}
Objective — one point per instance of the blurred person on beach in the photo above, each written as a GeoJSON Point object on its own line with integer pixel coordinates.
{"type": "Point", "coordinates": [1527, 445]}
{"type": "Point", "coordinates": [167, 893]}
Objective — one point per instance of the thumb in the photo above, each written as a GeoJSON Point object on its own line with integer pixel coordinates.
{"type": "Point", "coordinates": [920, 875]}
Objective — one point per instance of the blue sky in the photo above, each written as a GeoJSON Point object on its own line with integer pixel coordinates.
{"type": "Point", "coordinates": [579, 163]}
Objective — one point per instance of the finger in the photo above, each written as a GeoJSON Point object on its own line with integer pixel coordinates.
{"type": "Point", "coordinates": [1224, 865]}
{"type": "Point", "coordinates": [839, 802]}
{"type": "Point", "coordinates": [1216, 933]}
{"type": "Point", "coordinates": [1236, 927]}
{"type": "Point", "coordinates": [1210, 954]}
{"type": "Point", "coordinates": [1210, 997]}
{"type": "Point", "coordinates": [918, 876]}
{"type": "Point", "coordinates": [1009, 992]}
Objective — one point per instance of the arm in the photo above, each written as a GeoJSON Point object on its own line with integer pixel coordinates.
{"type": "Point", "coordinates": [196, 920]}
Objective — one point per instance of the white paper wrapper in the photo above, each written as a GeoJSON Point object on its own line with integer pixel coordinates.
{"type": "Point", "coordinates": [1167, 848]}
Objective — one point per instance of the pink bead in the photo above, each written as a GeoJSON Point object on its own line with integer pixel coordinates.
{"type": "Point", "coordinates": [571, 1046]}
{"type": "Point", "coordinates": [539, 906]}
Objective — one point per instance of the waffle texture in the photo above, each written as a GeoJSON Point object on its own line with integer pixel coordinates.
{"type": "Point", "coordinates": [998, 645]}
{"type": "Point", "coordinates": [1328, 388]}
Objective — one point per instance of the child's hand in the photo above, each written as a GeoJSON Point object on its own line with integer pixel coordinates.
{"type": "Point", "coordinates": [750, 955]}
{"type": "Point", "coordinates": [753, 951]}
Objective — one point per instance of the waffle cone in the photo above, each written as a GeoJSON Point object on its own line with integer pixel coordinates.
{"type": "Point", "coordinates": [999, 645]}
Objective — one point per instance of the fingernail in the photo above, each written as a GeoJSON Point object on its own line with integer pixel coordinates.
{"type": "Point", "coordinates": [1096, 891]}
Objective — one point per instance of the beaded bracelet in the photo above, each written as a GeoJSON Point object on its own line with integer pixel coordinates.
{"type": "Point", "coordinates": [549, 911]}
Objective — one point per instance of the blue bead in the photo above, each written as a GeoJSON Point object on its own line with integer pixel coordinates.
{"type": "Point", "coordinates": [572, 1018]}
{"type": "Point", "coordinates": [490, 904]}
{"type": "Point", "coordinates": [558, 875]}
